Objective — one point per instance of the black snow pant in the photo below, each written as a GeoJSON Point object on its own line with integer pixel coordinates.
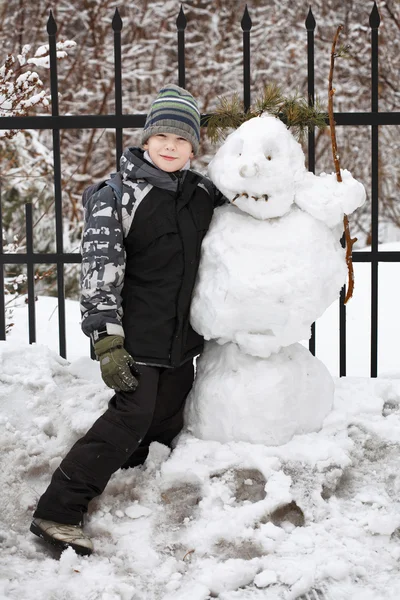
{"type": "Point", "coordinates": [120, 438]}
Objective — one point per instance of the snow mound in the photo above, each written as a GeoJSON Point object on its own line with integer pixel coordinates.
{"type": "Point", "coordinates": [236, 520]}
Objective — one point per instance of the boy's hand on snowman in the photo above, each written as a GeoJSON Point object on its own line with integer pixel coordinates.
{"type": "Point", "coordinates": [118, 368]}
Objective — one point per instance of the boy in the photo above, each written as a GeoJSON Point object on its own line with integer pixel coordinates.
{"type": "Point", "coordinates": [140, 256]}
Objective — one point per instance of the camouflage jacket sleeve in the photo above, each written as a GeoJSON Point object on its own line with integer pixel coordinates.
{"type": "Point", "coordinates": [103, 265]}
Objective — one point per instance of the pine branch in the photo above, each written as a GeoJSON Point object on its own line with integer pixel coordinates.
{"type": "Point", "coordinates": [229, 114]}
{"type": "Point", "coordinates": [298, 115]}
{"type": "Point", "coordinates": [336, 159]}
{"type": "Point", "coordinates": [294, 111]}
{"type": "Point", "coordinates": [270, 101]}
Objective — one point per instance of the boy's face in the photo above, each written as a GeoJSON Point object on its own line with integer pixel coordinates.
{"type": "Point", "coordinates": [168, 151]}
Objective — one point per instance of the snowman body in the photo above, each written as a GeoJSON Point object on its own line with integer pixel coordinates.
{"type": "Point", "coordinates": [271, 264]}
{"type": "Point", "coordinates": [261, 284]}
{"type": "Point", "coordinates": [240, 397]}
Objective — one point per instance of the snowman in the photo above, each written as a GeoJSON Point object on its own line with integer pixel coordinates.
{"type": "Point", "coordinates": [271, 264]}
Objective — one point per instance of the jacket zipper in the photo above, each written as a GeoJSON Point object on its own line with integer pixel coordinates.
{"type": "Point", "coordinates": [180, 178]}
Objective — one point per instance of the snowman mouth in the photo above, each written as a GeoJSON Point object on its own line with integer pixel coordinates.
{"type": "Point", "coordinates": [256, 198]}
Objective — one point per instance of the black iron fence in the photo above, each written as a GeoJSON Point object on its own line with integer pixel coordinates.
{"type": "Point", "coordinates": [119, 121]}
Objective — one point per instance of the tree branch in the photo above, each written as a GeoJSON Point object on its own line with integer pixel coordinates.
{"type": "Point", "coordinates": [336, 159]}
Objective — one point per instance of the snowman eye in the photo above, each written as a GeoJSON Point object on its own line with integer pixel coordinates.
{"type": "Point", "coordinates": [269, 157]}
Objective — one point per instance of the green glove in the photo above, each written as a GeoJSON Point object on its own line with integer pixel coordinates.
{"type": "Point", "coordinates": [118, 368]}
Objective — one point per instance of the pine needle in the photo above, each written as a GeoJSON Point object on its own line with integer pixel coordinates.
{"type": "Point", "coordinates": [299, 116]}
{"type": "Point", "coordinates": [343, 51]}
{"type": "Point", "coordinates": [229, 115]}
{"type": "Point", "coordinates": [270, 101]}
{"type": "Point", "coordinates": [293, 110]}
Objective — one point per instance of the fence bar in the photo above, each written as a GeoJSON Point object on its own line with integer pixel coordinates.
{"type": "Point", "coordinates": [117, 27]}
{"type": "Point", "coordinates": [73, 258]}
{"type": "Point", "coordinates": [342, 325]}
{"type": "Point", "coordinates": [52, 30]}
{"type": "Point", "coordinates": [310, 26]}
{"type": "Point", "coordinates": [181, 26]}
{"type": "Point", "coordinates": [374, 22]}
{"type": "Point", "coordinates": [382, 256]}
{"type": "Point", "coordinates": [2, 288]}
{"type": "Point", "coordinates": [135, 121]}
{"type": "Point", "coordinates": [38, 258]}
{"type": "Point", "coordinates": [342, 333]}
{"type": "Point", "coordinates": [73, 122]}
{"type": "Point", "coordinates": [30, 273]}
{"type": "Point", "coordinates": [246, 27]}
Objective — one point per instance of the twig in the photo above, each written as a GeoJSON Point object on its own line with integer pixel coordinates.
{"type": "Point", "coordinates": [349, 259]}
{"type": "Point", "coordinates": [336, 159]}
{"type": "Point", "coordinates": [187, 554]}
{"type": "Point", "coordinates": [331, 93]}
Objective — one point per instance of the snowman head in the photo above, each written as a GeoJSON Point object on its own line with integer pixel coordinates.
{"type": "Point", "coordinates": [258, 167]}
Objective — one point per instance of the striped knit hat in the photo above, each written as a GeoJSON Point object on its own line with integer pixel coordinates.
{"type": "Point", "coordinates": [174, 111]}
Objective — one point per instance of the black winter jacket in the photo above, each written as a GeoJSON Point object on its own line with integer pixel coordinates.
{"type": "Point", "coordinates": [140, 256]}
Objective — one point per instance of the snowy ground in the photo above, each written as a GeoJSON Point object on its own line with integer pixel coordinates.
{"type": "Point", "coordinates": [231, 521]}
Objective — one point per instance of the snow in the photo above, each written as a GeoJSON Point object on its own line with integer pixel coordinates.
{"type": "Point", "coordinates": [189, 524]}
{"type": "Point", "coordinates": [285, 513]}
{"type": "Point", "coordinates": [327, 200]}
{"type": "Point", "coordinates": [269, 400]}
{"type": "Point", "coordinates": [271, 264]}
{"type": "Point", "coordinates": [260, 150]}
{"type": "Point", "coordinates": [230, 520]}
{"type": "Point", "coordinates": [262, 283]}
{"type": "Point", "coordinates": [42, 56]}
{"type": "Point", "coordinates": [260, 167]}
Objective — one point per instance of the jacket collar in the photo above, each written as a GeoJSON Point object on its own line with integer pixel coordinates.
{"type": "Point", "coordinates": [136, 164]}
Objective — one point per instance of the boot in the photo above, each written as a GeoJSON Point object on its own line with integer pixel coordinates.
{"type": "Point", "coordinates": [63, 536]}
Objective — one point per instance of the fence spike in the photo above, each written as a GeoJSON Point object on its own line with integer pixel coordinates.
{"type": "Point", "coordinates": [246, 22]}
{"type": "Point", "coordinates": [117, 21]}
{"type": "Point", "coordinates": [374, 17]}
{"type": "Point", "coordinates": [310, 21]}
{"type": "Point", "coordinates": [51, 25]}
{"type": "Point", "coordinates": [181, 20]}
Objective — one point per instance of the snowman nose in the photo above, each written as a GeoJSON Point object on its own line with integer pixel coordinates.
{"type": "Point", "coordinates": [249, 170]}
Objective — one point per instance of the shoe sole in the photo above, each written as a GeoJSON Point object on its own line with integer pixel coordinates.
{"type": "Point", "coordinates": [81, 550]}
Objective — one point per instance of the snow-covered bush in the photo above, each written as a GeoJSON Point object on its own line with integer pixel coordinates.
{"type": "Point", "coordinates": [27, 167]}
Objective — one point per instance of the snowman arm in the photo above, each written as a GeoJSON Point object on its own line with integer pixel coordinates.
{"type": "Point", "coordinates": [328, 200]}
